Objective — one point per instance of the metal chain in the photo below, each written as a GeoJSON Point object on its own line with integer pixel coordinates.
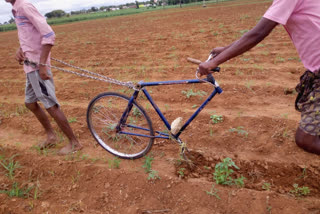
{"type": "Point", "coordinates": [104, 78]}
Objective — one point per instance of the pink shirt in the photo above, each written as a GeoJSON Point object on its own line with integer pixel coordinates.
{"type": "Point", "coordinates": [301, 19]}
{"type": "Point", "coordinates": [33, 31]}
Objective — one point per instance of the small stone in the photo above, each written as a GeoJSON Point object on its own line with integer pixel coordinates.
{"type": "Point", "coordinates": [106, 185]}
{"type": "Point", "coordinates": [45, 204]}
{"type": "Point", "coordinates": [196, 175]}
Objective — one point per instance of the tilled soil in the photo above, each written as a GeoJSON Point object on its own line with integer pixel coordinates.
{"type": "Point", "coordinates": [257, 107]}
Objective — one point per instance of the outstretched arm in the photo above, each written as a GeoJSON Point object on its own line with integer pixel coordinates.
{"type": "Point", "coordinates": [245, 43]}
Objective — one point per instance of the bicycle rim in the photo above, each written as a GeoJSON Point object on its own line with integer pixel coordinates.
{"type": "Point", "coordinates": [136, 135]}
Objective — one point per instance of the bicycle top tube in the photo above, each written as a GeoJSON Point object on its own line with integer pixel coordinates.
{"type": "Point", "coordinates": [142, 84]}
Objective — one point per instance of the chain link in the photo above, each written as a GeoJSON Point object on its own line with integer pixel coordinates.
{"type": "Point", "coordinates": [95, 75]}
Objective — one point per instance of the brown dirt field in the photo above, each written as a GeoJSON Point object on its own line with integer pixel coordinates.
{"type": "Point", "coordinates": [258, 95]}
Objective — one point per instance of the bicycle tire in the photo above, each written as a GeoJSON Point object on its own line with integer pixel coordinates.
{"type": "Point", "coordinates": [104, 113]}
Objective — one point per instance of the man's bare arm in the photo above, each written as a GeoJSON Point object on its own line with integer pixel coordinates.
{"type": "Point", "coordinates": [245, 43]}
{"type": "Point", "coordinates": [43, 60]}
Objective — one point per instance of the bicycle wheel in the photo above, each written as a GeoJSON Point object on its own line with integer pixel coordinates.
{"type": "Point", "coordinates": [135, 137]}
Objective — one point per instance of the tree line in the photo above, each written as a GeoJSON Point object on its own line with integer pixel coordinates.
{"type": "Point", "coordinates": [61, 13]}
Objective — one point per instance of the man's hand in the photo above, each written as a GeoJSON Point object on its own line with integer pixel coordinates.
{"type": "Point", "coordinates": [206, 67]}
{"type": "Point", "coordinates": [216, 51]}
{"type": "Point", "coordinates": [20, 56]}
{"type": "Point", "coordinates": [43, 72]}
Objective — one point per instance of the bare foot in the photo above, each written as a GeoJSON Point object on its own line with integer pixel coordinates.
{"type": "Point", "coordinates": [69, 149]}
{"type": "Point", "coordinates": [50, 142]}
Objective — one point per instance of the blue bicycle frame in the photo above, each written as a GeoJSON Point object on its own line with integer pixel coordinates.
{"type": "Point", "coordinates": [163, 135]}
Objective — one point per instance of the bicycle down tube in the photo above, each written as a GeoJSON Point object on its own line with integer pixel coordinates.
{"type": "Point", "coordinates": [216, 90]}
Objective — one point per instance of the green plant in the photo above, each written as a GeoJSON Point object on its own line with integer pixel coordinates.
{"type": "Point", "coordinates": [245, 16]}
{"type": "Point", "coordinates": [238, 72]}
{"type": "Point", "coordinates": [285, 133]}
{"type": "Point", "coordinates": [223, 172]}
{"type": "Point", "coordinates": [72, 120]}
{"type": "Point", "coordinates": [16, 191]}
{"type": "Point", "coordinates": [216, 118]}
{"type": "Point", "coordinates": [114, 163]}
{"type": "Point", "coordinates": [84, 156]}
{"type": "Point", "coordinates": [147, 106]}
{"type": "Point", "coordinates": [211, 131]}
{"type": "Point", "coordinates": [181, 172]}
{"type": "Point", "coordinates": [36, 190]}
{"type": "Point", "coordinates": [269, 208]}
{"type": "Point", "coordinates": [51, 172]}
{"type": "Point", "coordinates": [60, 136]}
{"type": "Point", "coordinates": [10, 165]}
{"type": "Point", "coordinates": [75, 179]}
{"type": "Point", "coordinates": [239, 130]}
{"type": "Point", "coordinates": [300, 191]}
{"type": "Point", "coordinates": [93, 160]}
{"type": "Point", "coordinates": [239, 181]}
{"type": "Point", "coordinates": [136, 112]}
{"type": "Point", "coordinates": [285, 115]}
{"type": "Point", "coordinates": [167, 107]}
{"type": "Point", "coordinates": [191, 93]}
{"type": "Point", "coordinates": [243, 31]}
{"type": "Point", "coordinates": [147, 163]}
{"type": "Point", "coordinates": [20, 110]}
{"type": "Point", "coordinates": [213, 192]}
{"type": "Point", "coordinates": [266, 186]}
{"type": "Point", "coordinates": [279, 59]}
{"type": "Point", "coordinates": [40, 151]}
{"type": "Point", "coordinates": [260, 67]}
{"type": "Point", "coordinates": [294, 58]}
{"type": "Point", "coordinates": [153, 175]}
{"type": "Point", "coordinates": [249, 84]}
{"type": "Point", "coordinates": [304, 173]}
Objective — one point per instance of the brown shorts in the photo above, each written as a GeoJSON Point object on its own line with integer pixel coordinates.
{"type": "Point", "coordinates": [308, 102]}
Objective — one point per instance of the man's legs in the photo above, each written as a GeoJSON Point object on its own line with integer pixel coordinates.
{"type": "Point", "coordinates": [42, 117]}
{"type": "Point", "coordinates": [44, 91]}
{"type": "Point", "coordinates": [308, 142]}
{"type": "Point", "coordinates": [63, 123]}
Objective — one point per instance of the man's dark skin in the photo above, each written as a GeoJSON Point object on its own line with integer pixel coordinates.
{"type": "Point", "coordinates": [304, 140]}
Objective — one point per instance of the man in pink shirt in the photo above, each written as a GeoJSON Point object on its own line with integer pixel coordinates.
{"type": "Point", "coordinates": [301, 19]}
{"type": "Point", "coordinates": [36, 40]}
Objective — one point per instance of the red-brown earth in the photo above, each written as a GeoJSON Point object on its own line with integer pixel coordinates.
{"type": "Point", "coordinates": [258, 96]}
